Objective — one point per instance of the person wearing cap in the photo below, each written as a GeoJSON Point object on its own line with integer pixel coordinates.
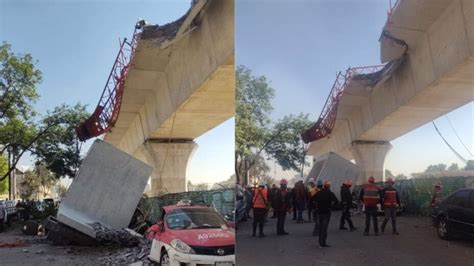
{"type": "Point", "coordinates": [300, 199]}
{"type": "Point", "coordinates": [390, 201]}
{"type": "Point", "coordinates": [282, 205]}
{"type": "Point", "coordinates": [325, 200]}
{"type": "Point", "coordinates": [370, 196]}
{"type": "Point", "coordinates": [346, 198]}
{"type": "Point", "coordinates": [260, 208]}
{"type": "Point", "coordinates": [312, 190]}
{"type": "Point", "coordinates": [319, 187]}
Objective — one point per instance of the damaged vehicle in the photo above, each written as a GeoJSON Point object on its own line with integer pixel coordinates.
{"type": "Point", "coordinates": [191, 235]}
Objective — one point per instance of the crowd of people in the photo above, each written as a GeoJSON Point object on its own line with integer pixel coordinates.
{"type": "Point", "coordinates": [318, 200]}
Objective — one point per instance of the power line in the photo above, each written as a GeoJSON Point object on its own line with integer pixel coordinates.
{"type": "Point", "coordinates": [445, 141]}
{"type": "Point", "coordinates": [454, 130]}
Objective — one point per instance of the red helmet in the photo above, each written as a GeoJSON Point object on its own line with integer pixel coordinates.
{"type": "Point", "coordinates": [283, 182]}
{"type": "Point", "coordinates": [371, 179]}
{"type": "Point", "coordinates": [389, 180]}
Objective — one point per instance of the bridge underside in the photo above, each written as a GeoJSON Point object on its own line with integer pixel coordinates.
{"type": "Point", "coordinates": [434, 77]}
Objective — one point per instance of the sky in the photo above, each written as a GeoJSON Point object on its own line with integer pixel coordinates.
{"type": "Point", "coordinates": [301, 45]}
{"type": "Point", "coordinates": [76, 42]}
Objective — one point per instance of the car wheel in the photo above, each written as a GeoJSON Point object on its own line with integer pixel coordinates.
{"type": "Point", "coordinates": [164, 259]}
{"type": "Point", "coordinates": [443, 228]}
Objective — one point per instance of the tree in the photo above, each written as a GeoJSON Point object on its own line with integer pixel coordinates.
{"type": "Point", "coordinates": [59, 148]}
{"type": "Point", "coordinates": [50, 138]}
{"type": "Point", "coordinates": [3, 170]}
{"type": "Point", "coordinates": [253, 106]}
{"type": "Point", "coordinates": [255, 133]}
{"type": "Point", "coordinates": [287, 146]}
{"type": "Point", "coordinates": [453, 167]}
{"type": "Point", "coordinates": [469, 165]}
{"type": "Point", "coordinates": [401, 177]}
{"type": "Point", "coordinates": [40, 180]}
{"type": "Point", "coordinates": [436, 168]}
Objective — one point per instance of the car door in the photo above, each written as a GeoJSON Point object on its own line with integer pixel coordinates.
{"type": "Point", "coordinates": [457, 207]}
{"type": "Point", "coordinates": [470, 214]}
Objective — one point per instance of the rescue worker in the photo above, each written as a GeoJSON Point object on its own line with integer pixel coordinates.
{"type": "Point", "coordinates": [437, 194]}
{"type": "Point", "coordinates": [312, 190]}
{"type": "Point", "coordinates": [282, 205]}
{"type": "Point", "coordinates": [300, 199]}
{"type": "Point", "coordinates": [346, 198]}
{"type": "Point", "coordinates": [319, 187]}
{"type": "Point", "coordinates": [260, 208]}
{"type": "Point", "coordinates": [390, 201]}
{"type": "Point", "coordinates": [325, 200]}
{"type": "Point", "coordinates": [370, 196]}
{"type": "Point", "coordinates": [273, 192]}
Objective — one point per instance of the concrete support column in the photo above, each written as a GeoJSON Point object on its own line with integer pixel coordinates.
{"type": "Point", "coordinates": [370, 157]}
{"type": "Point", "coordinates": [170, 161]}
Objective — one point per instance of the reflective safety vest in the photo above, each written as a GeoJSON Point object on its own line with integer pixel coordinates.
{"type": "Point", "coordinates": [390, 199]}
{"type": "Point", "coordinates": [312, 191]}
{"type": "Point", "coordinates": [260, 198]}
{"type": "Point", "coordinates": [371, 195]}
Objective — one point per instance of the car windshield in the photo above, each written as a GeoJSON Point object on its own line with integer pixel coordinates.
{"type": "Point", "coordinates": [194, 218]}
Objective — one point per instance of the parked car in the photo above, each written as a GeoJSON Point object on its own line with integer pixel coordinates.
{"type": "Point", "coordinates": [240, 212]}
{"type": "Point", "coordinates": [7, 212]}
{"type": "Point", "coordinates": [191, 235]}
{"type": "Point", "coordinates": [455, 214]}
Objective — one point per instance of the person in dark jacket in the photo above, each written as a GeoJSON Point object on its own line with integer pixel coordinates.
{"type": "Point", "coordinates": [319, 186]}
{"type": "Point", "coordinates": [346, 199]}
{"type": "Point", "coordinates": [273, 192]}
{"type": "Point", "coordinates": [390, 200]}
{"type": "Point", "coordinates": [300, 196]}
{"type": "Point", "coordinates": [282, 204]}
{"type": "Point", "coordinates": [325, 200]}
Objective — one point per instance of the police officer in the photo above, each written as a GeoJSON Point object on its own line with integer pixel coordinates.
{"type": "Point", "coordinates": [260, 208]}
{"type": "Point", "coordinates": [370, 196]}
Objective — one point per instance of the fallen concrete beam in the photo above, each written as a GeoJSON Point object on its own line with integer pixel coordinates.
{"type": "Point", "coordinates": [332, 167]}
{"type": "Point", "coordinates": [106, 190]}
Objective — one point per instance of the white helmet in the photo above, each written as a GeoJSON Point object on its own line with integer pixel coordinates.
{"type": "Point", "coordinates": [311, 180]}
{"type": "Point", "coordinates": [261, 183]}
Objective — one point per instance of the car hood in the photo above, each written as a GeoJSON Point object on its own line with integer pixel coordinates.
{"type": "Point", "coordinates": [206, 237]}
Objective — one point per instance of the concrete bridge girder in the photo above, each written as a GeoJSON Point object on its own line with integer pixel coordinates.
{"type": "Point", "coordinates": [370, 157]}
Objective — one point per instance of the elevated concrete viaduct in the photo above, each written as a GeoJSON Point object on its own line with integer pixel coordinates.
{"type": "Point", "coordinates": [179, 85]}
{"type": "Point", "coordinates": [428, 48]}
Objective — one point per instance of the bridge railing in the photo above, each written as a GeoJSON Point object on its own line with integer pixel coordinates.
{"type": "Point", "coordinates": [327, 119]}
{"type": "Point", "coordinates": [106, 113]}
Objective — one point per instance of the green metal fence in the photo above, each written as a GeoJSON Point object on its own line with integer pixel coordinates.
{"type": "Point", "coordinates": [416, 193]}
{"type": "Point", "coordinates": [221, 200]}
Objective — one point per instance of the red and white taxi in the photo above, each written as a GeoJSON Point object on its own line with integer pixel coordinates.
{"type": "Point", "coordinates": [191, 235]}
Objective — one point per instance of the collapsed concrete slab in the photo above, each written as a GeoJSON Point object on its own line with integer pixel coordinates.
{"type": "Point", "coordinates": [106, 190]}
{"type": "Point", "coordinates": [332, 167]}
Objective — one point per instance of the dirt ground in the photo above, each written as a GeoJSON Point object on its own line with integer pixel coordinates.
{"type": "Point", "coordinates": [417, 244]}
{"type": "Point", "coordinates": [38, 251]}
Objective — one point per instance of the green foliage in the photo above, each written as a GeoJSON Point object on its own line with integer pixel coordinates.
{"type": "Point", "coordinates": [287, 147]}
{"type": "Point", "coordinates": [453, 167]}
{"type": "Point", "coordinates": [256, 134]}
{"type": "Point", "coordinates": [50, 139]}
{"type": "Point", "coordinates": [469, 165]}
{"type": "Point", "coordinates": [436, 168]}
{"type": "Point", "coordinates": [388, 173]}
{"type": "Point", "coordinates": [59, 148]}
{"type": "Point", "coordinates": [18, 79]}
{"type": "Point", "coordinates": [39, 180]}
{"type": "Point", "coordinates": [3, 170]}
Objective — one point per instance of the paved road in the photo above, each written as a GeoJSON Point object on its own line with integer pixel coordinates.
{"type": "Point", "coordinates": [417, 244]}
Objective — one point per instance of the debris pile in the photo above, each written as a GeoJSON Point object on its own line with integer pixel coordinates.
{"type": "Point", "coordinates": [128, 255]}
{"type": "Point", "coordinates": [106, 235]}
